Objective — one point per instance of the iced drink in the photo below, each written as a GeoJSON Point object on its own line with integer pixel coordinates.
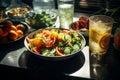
{"type": "Point", "coordinates": [100, 28]}
{"type": "Point", "coordinates": [66, 13]}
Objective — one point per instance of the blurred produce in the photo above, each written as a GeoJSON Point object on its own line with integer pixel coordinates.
{"type": "Point", "coordinates": [10, 31]}
{"type": "Point", "coordinates": [41, 20]}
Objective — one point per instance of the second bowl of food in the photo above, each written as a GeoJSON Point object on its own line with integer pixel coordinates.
{"type": "Point", "coordinates": [17, 12]}
{"type": "Point", "coordinates": [12, 31]}
{"type": "Point", "coordinates": [43, 19]}
{"type": "Point", "coordinates": [54, 43]}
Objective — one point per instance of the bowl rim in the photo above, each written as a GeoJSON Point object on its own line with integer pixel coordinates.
{"type": "Point", "coordinates": [55, 57]}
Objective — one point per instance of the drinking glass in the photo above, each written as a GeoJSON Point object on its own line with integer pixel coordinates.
{"type": "Point", "coordinates": [66, 13]}
{"type": "Point", "coordinates": [100, 27]}
{"type": "Point", "coordinates": [43, 5]}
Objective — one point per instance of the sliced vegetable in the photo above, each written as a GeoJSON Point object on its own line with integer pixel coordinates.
{"type": "Point", "coordinates": [67, 50]}
{"type": "Point", "coordinates": [55, 42]}
{"type": "Point", "coordinates": [36, 50]}
{"type": "Point", "coordinates": [76, 47]}
{"type": "Point", "coordinates": [59, 52]}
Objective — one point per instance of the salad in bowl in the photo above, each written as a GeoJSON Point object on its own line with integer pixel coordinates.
{"type": "Point", "coordinates": [55, 43]}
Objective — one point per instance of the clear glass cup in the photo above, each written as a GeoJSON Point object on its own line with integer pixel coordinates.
{"type": "Point", "coordinates": [43, 5]}
{"type": "Point", "coordinates": [100, 27]}
{"type": "Point", "coordinates": [66, 13]}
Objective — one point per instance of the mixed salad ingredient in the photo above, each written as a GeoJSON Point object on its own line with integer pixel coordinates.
{"type": "Point", "coordinates": [55, 42]}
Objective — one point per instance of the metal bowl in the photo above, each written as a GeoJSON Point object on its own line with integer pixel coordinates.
{"type": "Point", "coordinates": [17, 12]}
{"type": "Point", "coordinates": [32, 34]}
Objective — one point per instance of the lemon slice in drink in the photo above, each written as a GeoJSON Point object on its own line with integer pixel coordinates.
{"type": "Point", "coordinates": [104, 41]}
{"type": "Point", "coordinates": [94, 34]}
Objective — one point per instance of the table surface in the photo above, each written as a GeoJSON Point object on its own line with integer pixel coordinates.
{"type": "Point", "coordinates": [16, 56]}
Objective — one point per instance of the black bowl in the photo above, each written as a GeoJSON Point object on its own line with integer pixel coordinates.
{"type": "Point", "coordinates": [31, 36]}
{"type": "Point", "coordinates": [25, 31]}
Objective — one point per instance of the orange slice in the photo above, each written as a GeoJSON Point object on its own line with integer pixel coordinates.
{"type": "Point", "coordinates": [104, 41]}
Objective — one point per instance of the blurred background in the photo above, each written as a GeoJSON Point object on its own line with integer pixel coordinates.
{"type": "Point", "coordinates": [105, 7]}
{"type": "Point", "coordinates": [87, 5]}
